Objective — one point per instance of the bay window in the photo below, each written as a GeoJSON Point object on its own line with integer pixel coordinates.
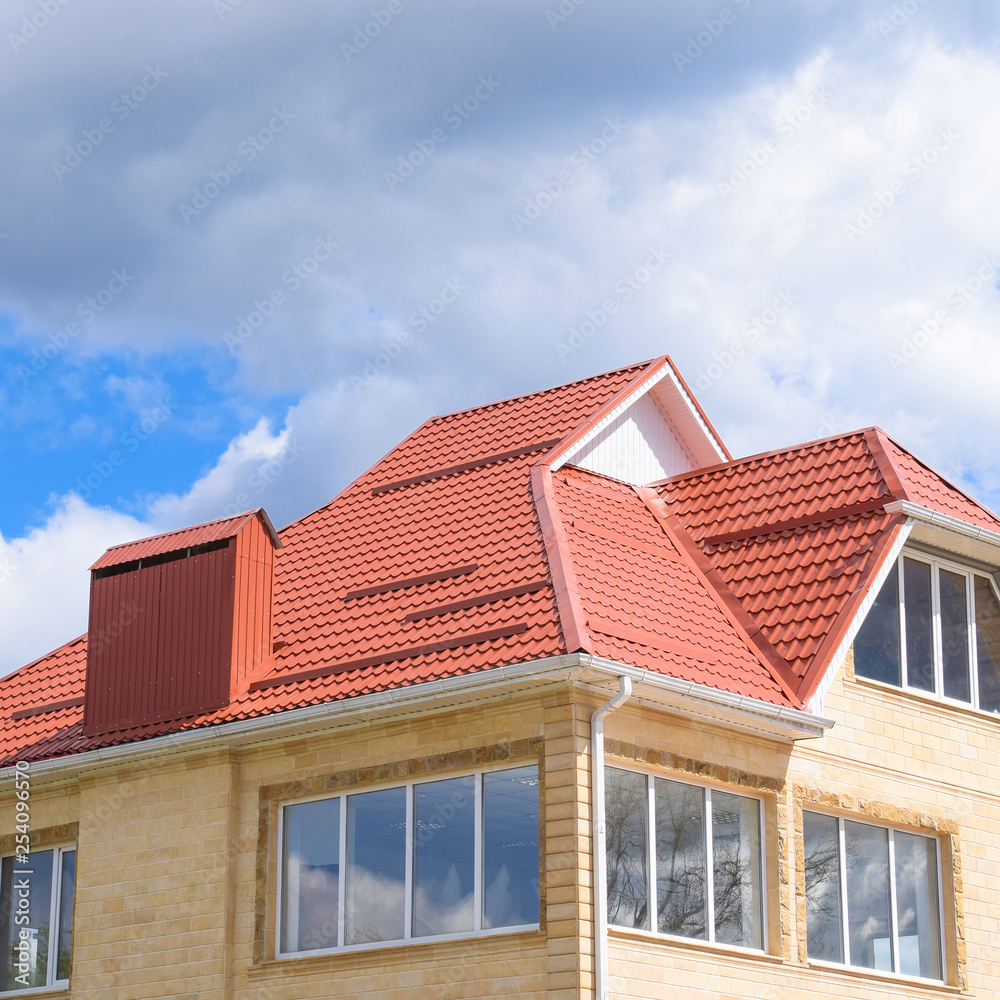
{"type": "Point", "coordinates": [872, 897]}
{"type": "Point", "coordinates": [429, 859]}
{"type": "Point", "coordinates": [36, 919]}
{"type": "Point", "coordinates": [689, 855]}
{"type": "Point", "coordinates": [934, 627]}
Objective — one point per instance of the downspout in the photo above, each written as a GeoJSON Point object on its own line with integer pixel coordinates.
{"type": "Point", "coordinates": [598, 827]}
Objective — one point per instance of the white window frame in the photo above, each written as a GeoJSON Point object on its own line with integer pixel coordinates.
{"type": "Point", "coordinates": [55, 900]}
{"type": "Point", "coordinates": [845, 934]}
{"type": "Point", "coordinates": [651, 907]}
{"type": "Point", "coordinates": [937, 564]}
{"type": "Point", "coordinates": [408, 935]}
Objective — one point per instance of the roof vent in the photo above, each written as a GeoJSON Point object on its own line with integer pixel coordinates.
{"type": "Point", "coordinates": [178, 621]}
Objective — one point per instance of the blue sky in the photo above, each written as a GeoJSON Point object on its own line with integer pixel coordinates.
{"type": "Point", "coordinates": [245, 247]}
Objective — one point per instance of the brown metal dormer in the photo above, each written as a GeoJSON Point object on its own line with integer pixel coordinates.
{"type": "Point", "coordinates": [178, 621]}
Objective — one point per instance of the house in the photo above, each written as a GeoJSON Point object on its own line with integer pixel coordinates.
{"type": "Point", "coordinates": [557, 699]}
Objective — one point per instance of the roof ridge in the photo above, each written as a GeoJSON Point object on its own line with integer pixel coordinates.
{"type": "Point", "coordinates": [729, 604]}
{"type": "Point", "coordinates": [569, 609]}
{"type": "Point", "coordinates": [541, 392]}
{"type": "Point", "coordinates": [773, 453]}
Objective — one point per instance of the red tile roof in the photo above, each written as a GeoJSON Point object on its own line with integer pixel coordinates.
{"type": "Point", "coordinates": [183, 538]}
{"type": "Point", "coordinates": [461, 550]}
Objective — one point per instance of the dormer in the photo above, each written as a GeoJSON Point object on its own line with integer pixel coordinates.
{"type": "Point", "coordinates": [178, 621]}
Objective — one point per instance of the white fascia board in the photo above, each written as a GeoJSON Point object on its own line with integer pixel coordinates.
{"type": "Point", "coordinates": [696, 414]}
{"type": "Point", "coordinates": [927, 516]}
{"type": "Point", "coordinates": [680, 697]}
{"type": "Point", "coordinates": [697, 701]}
{"type": "Point", "coordinates": [609, 418]}
{"type": "Point", "coordinates": [837, 660]}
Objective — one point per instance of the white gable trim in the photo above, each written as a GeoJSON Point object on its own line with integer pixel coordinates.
{"type": "Point", "coordinates": [609, 418]}
{"type": "Point", "coordinates": [837, 660]}
{"type": "Point", "coordinates": [647, 387]}
{"type": "Point", "coordinates": [710, 436]}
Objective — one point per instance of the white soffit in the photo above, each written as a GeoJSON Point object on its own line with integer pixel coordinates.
{"type": "Point", "coordinates": [655, 433]}
{"type": "Point", "coordinates": [945, 532]}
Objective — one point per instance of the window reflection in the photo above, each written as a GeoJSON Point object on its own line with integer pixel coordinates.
{"type": "Point", "coordinates": [736, 865]}
{"type": "Point", "coordinates": [376, 866]}
{"type": "Point", "coordinates": [310, 888]}
{"type": "Point", "coordinates": [510, 847]}
{"type": "Point", "coordinates": [876, 648]}
{"type": "Point", "coordinates": [867, 850]}
{"type": "Point", "coordinates": [625, 817]}
{"type": "Point", "coordinates": [681, 891]}
{"type": "Point", "coordinates": [988, 645]}
{"type": "Point", "coordinates": [955, 636]}
{"type": "Point", "coordinates": [444, 856]}
{"type": "Point", "coordinates": [919, 625]}
{"type": "Point", "coordinates": [824, 926]}
{"type": "Point", "coordinates": [917, 906]}
{"type": "Point", "coordinates": [30, 879]}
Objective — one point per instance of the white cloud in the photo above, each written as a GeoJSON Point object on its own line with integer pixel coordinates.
{"type": "Point", "coordinates": [44, 586]}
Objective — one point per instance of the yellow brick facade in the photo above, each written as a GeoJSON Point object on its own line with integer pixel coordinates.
{"type": "Point", "coordinates": [177, 858]}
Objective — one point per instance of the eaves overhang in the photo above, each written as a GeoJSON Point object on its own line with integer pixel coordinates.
{"type": "Point", "coordinates": [685, 698]}
{"type": "Point", "coordinates": [950, 533]}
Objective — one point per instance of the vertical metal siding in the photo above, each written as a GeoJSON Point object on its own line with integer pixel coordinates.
{"type": "Point", "coordinates": [177, 638]}
{"type": "Point", "coordinates": [638, 447]}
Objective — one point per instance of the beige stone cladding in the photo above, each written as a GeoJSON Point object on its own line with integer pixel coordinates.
{"type": "Point", "coordinates": [177, 859]}
{"type": "Point", "coordinates": [893, 759]}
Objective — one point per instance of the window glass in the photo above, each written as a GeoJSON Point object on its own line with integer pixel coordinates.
{"type": "Point", "coordinates": [64, 951]}
{"type": "Point", "coordinates": [867, 860]}
{"type": "Point", "coordinates": [824, 919]}
{"type": "Point", "coordinates": [444, 856]}
{"type": "Point", "coordinates": [917, 906]}
{"type": "Point", "coordinates": [510, 847]}
{"type": "Point", "coordinates": [376, 866]}
{"type": "Point", "coordinates": [736, 866]}
{"type": "Point", "coordinates": [876, 648]}
{"type": "Point", "coordinates": [681, 872]}
{"type": "Point", "coordinates": [626, 817]}
{"type": "Point", "coordinates": [955, 636]}
{"type": "Point", "coordinates": [26, 943]}
{"type": "Point", "coordinates": [919, 625]}
{"type": "Point", "coordinates": [912, 883]}
{"type": "Point", "coordinates": [311, 883]}
{"type": "Point", "coordinates": [988, 645]}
